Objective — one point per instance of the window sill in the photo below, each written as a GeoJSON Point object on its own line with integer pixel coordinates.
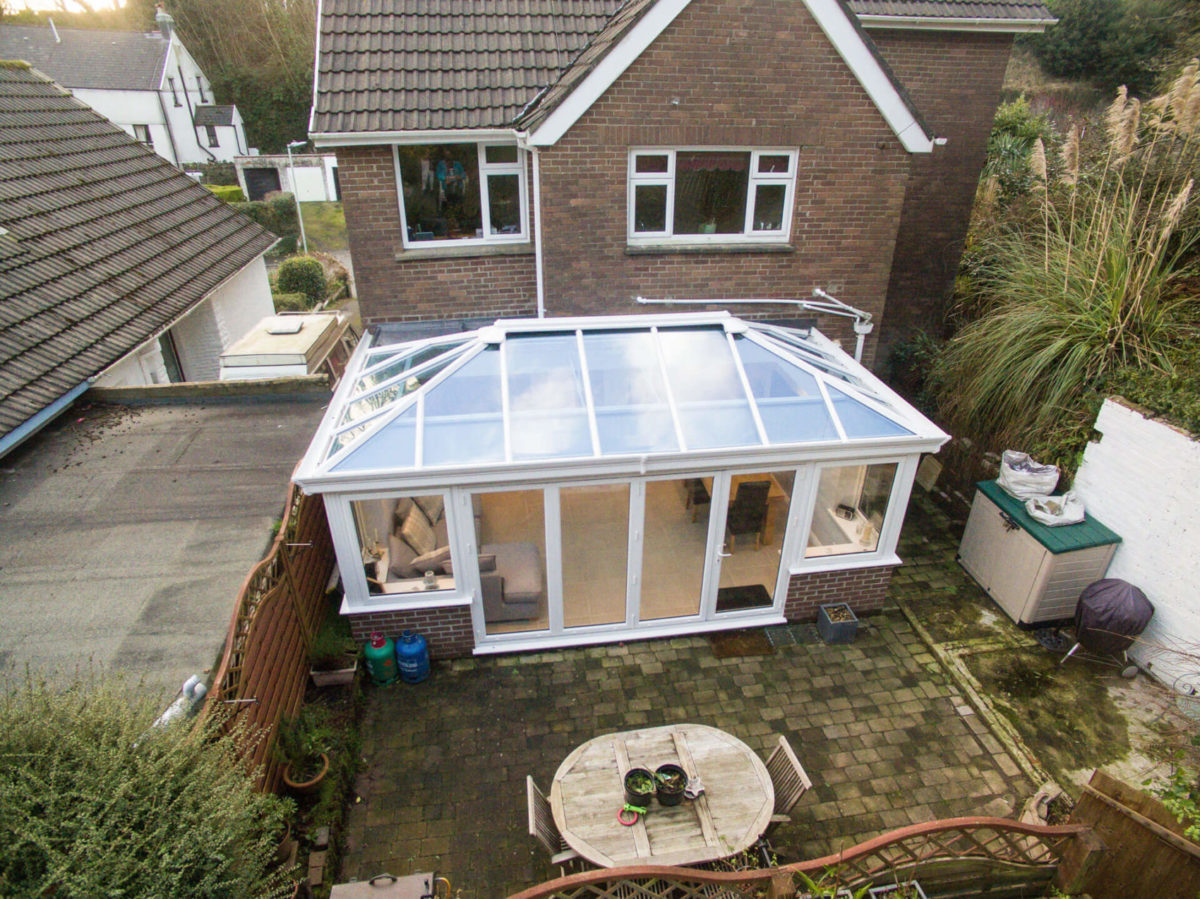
{"type": "Point", "coordinates": [722, 249]}
{"type": "Point", "coordinates": [523, 248]}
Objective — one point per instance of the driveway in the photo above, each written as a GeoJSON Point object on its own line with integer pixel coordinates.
{"type": "Point", "coordinates": [125, 533]}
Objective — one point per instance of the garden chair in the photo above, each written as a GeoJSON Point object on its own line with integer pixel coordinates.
{"type": "Point", "coordinates": [789, 779]}
{"type": "Point", "coordinates": [543, 828]}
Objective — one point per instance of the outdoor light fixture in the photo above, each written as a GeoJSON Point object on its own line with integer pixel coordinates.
{"type": "Point", "coordinates": [295, 195]}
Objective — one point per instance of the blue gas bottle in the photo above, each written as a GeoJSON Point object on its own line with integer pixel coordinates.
{"type": "Point", "coordinates": [412, 657]}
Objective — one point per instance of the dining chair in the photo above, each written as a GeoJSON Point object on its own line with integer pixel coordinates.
{"type": "Point", "coordinates": [789, 779]}
{"type": "Point", "coordinates": [748, 511]}
{"type": "Point", "coordinates": [542, 826]}
{"type": "Point", "coordinates": [696, 495]}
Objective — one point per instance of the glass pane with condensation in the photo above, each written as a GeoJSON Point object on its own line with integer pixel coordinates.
{"type": "Point", "coordinates": [463, 415]}
{"type": "Point", "coordinates": [629, 393]}
{"type": "Point", "coordinates": [394, 446]}
{"type": "Point", "coordinates": [546, 398]}
{"type": "Point", "coordinates": [712, 404]}
{"type": "Point", "coordinates": [860, 421]}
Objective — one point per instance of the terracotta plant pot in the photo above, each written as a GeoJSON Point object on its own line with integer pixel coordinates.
{"type": "Point", "coordinates": [306, 786]}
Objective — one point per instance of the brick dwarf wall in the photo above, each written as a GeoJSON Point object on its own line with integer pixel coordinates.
{"type": "Point", "coordinates": [447, 631]}
{"type": "Point", "coordinates": [955, 80]}
{"type": "Point", "coordinates": [863, 589]}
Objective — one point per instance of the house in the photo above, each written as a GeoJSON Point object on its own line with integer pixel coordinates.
{"type": "Point", "coordinates": [115, 267]}
{"type": "Point", "coordinates": [508, 159]}
{"type": "Point", "coordinates": [148, 84]}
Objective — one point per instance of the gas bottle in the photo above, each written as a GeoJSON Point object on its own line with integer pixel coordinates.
{"type": "Point", "coordinates": [412, 656]}
{"type": "Point", "coordinates": [381, 659]}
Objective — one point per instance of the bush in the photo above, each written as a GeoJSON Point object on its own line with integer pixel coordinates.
{"type": "Point", "coordinates": [215, 173]}
{"type": "Point", "coordinates": [302, 274]}
{"type": "Point", "coordinates": [291, 302]}
{"type": "Point", "coordinates": [278, 215]}
{"type": "Point", "coordinates": [96, 802]}
{"type": "Point", "coordinates": [230, 193]}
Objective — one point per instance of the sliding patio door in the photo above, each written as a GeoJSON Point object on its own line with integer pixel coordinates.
{"type": "Point", "coordinates": [595, 553]}
{"type": "Point", "coordinates": [674, 548]}
{"type": "Point", "coordinates": [752, 528]}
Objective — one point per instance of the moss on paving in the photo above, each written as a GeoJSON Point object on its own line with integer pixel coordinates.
{"type": "Point", "coordinates": [1063, 712]}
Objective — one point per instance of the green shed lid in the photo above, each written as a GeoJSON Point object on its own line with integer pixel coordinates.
{"type": "Point", "coordinates": [1063, 539]}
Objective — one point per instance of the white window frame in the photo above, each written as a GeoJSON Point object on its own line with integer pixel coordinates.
{"type": "Point", "coordinates": [142, 133]}
{"type": "Point", "coordinates": [486, 169]}
{"type": "Point", "coordinates": [667, 179]}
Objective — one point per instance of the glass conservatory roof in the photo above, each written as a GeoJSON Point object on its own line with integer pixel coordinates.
{"type": "Point", "coordinates": [541, 390]}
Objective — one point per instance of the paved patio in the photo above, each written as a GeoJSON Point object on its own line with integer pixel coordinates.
{"type": "Point", "coordinates": [883, 733]}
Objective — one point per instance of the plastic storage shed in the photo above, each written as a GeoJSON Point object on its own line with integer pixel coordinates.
{"type": "Point", "coordinates": [1033, 572]}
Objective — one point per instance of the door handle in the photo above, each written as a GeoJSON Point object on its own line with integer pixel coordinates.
{"type": "Point", "coordinates": [721, 555]}
{"type": "Point", "coordinates": [1010, 523]}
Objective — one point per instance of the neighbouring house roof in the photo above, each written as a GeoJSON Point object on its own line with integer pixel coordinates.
{"type": "Point", "coordinates": [214, 115]}
{"type": "Point", "coordinates": [624, 392]}
{"type": "Point", "coordinates": [102, 243]}
{"type": "Point", "coordinates": [101, 60]}
{"type": "Point", "coordinates": [427, 65]}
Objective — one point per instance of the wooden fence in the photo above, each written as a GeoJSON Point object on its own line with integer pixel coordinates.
{"type": "Point", "coordinates": [956, 856]}
{"type": "Point", "coordinates": [1144, 853]}
{"type": "Point", "coordinates": [264, 668]}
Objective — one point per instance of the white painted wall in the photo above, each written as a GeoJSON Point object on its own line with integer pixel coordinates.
{"type": "Point", "coordinates": [1142, 479]}
{"type": "Point", "coordinates": [313, 172]}
{"type": "Point", "coordinates": [241, 303]}
{"type": "Point", "coordinates": [137, 369]}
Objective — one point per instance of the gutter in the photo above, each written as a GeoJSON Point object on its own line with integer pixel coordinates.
{"type": "Point", "coordinates": [956, 23]}
{"type": "Point", "coordinates": [35, 423]}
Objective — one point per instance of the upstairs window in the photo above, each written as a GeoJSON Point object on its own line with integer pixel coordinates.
{"type": "Point", "coordinates": [462, 194]}
{"type": "Point", "coordinates": [200, 89]}
{"type": "Point", "coordinates": [211, 132]}
{"type": "Point", "coordinates": [174, 96]}
{"type": "Point", "coordinates": [142, 133]}
{"type": "Point", "coordinates": [710, 195]}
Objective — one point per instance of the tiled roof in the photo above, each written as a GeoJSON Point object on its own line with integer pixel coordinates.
{"type": "Point", "coordinates": [102, 60]}
{"type": "Point", "coordinates": [214, 115]}
{"type": "Point", "coordinates": [402, 65]}
{"type": "Point", "coordinates": [1001, 10]}
{"type": "Point", "coordinates": [103, 243]}
{"type": "Point", "coordinates": [406, 65]}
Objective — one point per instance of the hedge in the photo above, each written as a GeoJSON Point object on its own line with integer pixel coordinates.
{"type": "Point", "coordinates": [230, 193]}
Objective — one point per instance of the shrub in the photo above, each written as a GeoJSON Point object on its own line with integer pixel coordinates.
{"type": "Point", "coordinates": [215, 173]}
{"type": "Point", "coordinates": [278, 215]}
{"type": "Point", "coordinates": [94, 801]}
{"type": "Point", "coordinates": [302, 274]}
{"type": "Point", "coordinates": [230, 193]}
{"type": "Point", "coordinates": [291, 302]}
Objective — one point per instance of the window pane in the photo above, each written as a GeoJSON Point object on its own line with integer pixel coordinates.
{"type": "Point", "coordinates": [500, 153]}
{"type": "Point", "coordinates": [778, 165]}
{"type": "Point", "coordinates": [712, 405]}
{"type": "Point", "coordinates": [463, 416]}
{"type": "Point", "coordinates": [650, 207]}
{"type": "Point", "coordinates": [859, 421]}
{"type": "Point", "coordinates": [650, 164]}
{"type": "Point", "coordinates": [405, 543]}
{"type": "Point", "coordinates": [441, 191]}
{"type": "Point", "coordinates": [632, 414]}
{"type": "Point", "coordinates": [510, 528]}
{"type": "Point", "coordinates": [546, 398]}
{"type": "Point", "coordinates": [789, 400]}
{"type": "Point", "coordinates": [392, 446]}
{"type": "Point", "coordinates": [768, 207]}
{"type": "Point", "coordinates": [710, 192]}
{"type": "Point", "coordinates": [848, 515]}
{"type": "Point", "coordinates": [595, 542]}
{"type": "Point", "coordinates": [504, 204]}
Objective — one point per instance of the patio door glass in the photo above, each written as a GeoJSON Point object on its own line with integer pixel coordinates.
{"type": "Point", "coordinates": [510, 531]}
{"type": "Point", "coordinates": [754, 528]}
{"type": "Point", "coordinates": [595, 549]}
{"type": "Point", "coordinates": [675, 537]}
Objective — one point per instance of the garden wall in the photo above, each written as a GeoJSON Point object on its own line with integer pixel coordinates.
{"type": "Point", "coordinates": [1142, 479]}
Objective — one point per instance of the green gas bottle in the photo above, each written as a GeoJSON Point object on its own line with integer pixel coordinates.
{"type": "Point", "coordinates": [381, 659]}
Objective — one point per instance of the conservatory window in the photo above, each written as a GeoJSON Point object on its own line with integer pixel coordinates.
{"type": "Point", "coordinates": [405, 544]}
{"type": "Point", "coordinates": [454, 194]}
{"type": "Point", "coordinates": [852, 501]}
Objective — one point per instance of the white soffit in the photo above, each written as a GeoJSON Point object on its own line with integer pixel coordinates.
{"type": "Point", "coordinates": [829, 14]}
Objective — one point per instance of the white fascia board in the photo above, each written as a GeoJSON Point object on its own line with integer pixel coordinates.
{"type": "Point", "coordinates": [951, 23]}
{"type": "Point", "coordinates": [609, 69]}
{"type": "Point", "coordinates": [836, 24]}
{"type": "Point", "coordinates": [432, 136]}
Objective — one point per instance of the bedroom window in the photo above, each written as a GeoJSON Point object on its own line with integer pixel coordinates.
{"type": "Point", "coordinates": [710, 195]}
{"type": "Point", "coordinates": [462, 194]}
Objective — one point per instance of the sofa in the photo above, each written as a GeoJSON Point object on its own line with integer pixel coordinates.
{"type": "Point", "coordinates": [511, 574]}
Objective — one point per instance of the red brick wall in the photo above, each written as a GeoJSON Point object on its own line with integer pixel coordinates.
{"type": "Point", "coordinates": [863, 589]}
{"type": "Point", "coordinates": [394, 290]}
{"type": "Point", "coordinates": [955, 81]}
{"type": "Point", "coordinates": [447, 631]}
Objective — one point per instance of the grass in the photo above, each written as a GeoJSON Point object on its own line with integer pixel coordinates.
{"type": "Point", "coordinates": [325, 227]}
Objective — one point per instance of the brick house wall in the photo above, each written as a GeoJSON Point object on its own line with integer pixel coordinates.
{"type": "Point", "coordinates": [447, 631]}
{"type": "Point", "coordinates": [955, 80]}
{"type": "Point", "coordinates": [863, 589]}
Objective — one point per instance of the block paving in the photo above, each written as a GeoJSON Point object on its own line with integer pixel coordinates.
{"type": "Point", "coordinates": [882, 731]}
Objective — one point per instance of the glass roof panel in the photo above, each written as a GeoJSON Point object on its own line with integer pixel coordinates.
{"type": "Point", "coordinates": [629, 393]}
{"type": "Point", "coordinates": [789, 399]}
{"type": "Point", "coordinates": [546, 399]}
{"type": "Point", "coordinates": [463, 415]}
{"type": "Point", "coordinates": [860, 421]}
{"type": "Point", "coordinates": [405, 362]}
{"type": "Point", "coordinates": [394, 446]}
{"type": "Point", "coordinates": [711, 402]}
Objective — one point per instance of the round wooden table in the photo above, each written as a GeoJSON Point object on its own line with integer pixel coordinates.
{"type": "Point", "coordinates": [728, 817]}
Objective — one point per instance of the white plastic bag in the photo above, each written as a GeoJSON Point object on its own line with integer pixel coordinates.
{"type": "Point", "coordinates": [1022, 477]}
{"type": "Point", "coordinates": [1056, 510]}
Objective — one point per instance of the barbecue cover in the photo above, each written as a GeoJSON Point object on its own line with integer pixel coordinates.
{"type": "Point", "coordinates": [1109, 614]}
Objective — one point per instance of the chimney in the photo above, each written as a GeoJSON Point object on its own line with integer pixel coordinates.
{"type": "Point", "coordinates": [165, 23]}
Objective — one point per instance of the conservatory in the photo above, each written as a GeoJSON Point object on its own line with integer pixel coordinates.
{"type": "Point", "coordinates": [554, 482]}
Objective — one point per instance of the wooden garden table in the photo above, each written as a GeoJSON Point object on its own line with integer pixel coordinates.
{"type": "Point", "coordinates": [732, 813]}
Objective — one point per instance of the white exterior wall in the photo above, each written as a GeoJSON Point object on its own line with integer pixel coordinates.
{"type": "Point", "coordinates": [1142, 479]}
{"type": "Point", "coordinates": [198, 342]}
{"type": "Point", "coordinates": [140, 368]}
{"type": "Point", "coordinates": [192, 142]}
{"type": "Point", "coordinates": [241, 303]}
{"type": "Point", "coordinates": [314, 174]}
{"type": "Point", "coordinates": [129, 108]}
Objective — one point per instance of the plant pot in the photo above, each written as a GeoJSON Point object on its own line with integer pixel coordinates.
{"type": "Point", "coordinates": [306, 786]}
{"type": "Point", "coordinates": [334, 678]}
{"type": "Point", "coordinates": [671, 781]}
{"type": "Point", "coordinates": [641, 790]}
{"type": "Point", "coordinates": [837, 623]}
{"type": "Point", "coordinates": [910, 889]}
